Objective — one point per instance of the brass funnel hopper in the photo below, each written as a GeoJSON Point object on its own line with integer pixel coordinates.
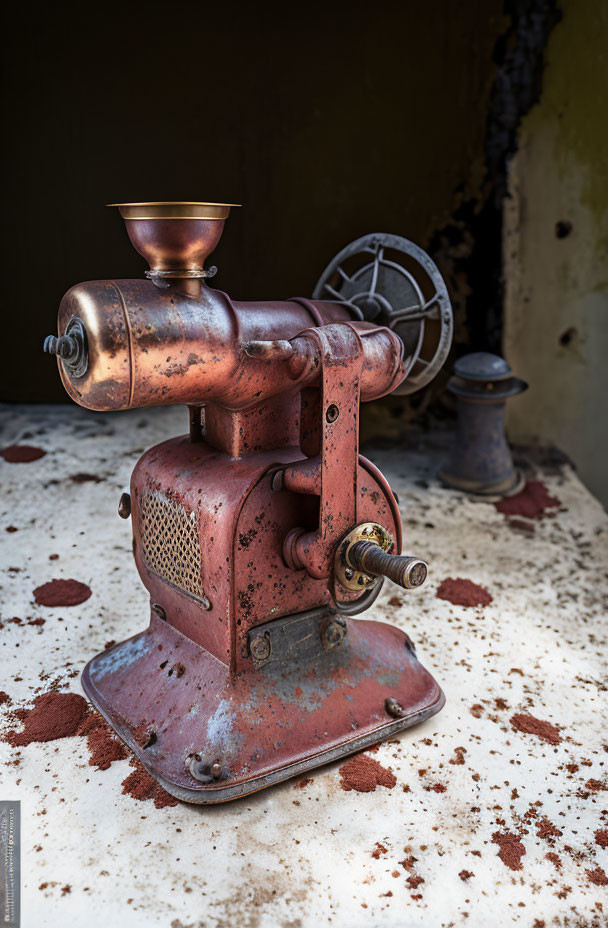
{"type": "Point", "coordinates": [175, 237]}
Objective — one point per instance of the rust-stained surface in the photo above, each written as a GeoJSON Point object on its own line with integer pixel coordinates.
{"type": "Point", "coordinates": [301, 856]}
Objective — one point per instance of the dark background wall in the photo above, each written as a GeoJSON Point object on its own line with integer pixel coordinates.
{"type": "Point", "coordinates": [326, 123]}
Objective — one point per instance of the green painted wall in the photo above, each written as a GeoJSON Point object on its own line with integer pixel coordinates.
{"type": "Point", "coordinates": [556, 311]}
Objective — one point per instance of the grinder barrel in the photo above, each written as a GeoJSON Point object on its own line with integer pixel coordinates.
{"type": "Point", "coordinates": [147, 346]}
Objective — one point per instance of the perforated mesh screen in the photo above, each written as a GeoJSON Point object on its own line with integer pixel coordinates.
{"type": "Point", "coordinates": [170, 542]}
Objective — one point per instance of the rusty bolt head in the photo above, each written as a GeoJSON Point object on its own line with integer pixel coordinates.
{"type": "Point", "coordinates": [205, 772]}
{"type": "Point", "coordinates": [333, 633]}
{"type": "Point", "coordinates": [332, 413]}
{"type": "Point", "coordinates": [124, 506]}
{"type": "Point", "coordinates": [199, 769]}
{"type": "Point", "coordinates": [393, 707]}
{"type": "Point", "coordinates": [259, 647]}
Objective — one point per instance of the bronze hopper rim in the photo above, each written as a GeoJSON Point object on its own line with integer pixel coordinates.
{"type": "Point", "coordinates": [174, 209]}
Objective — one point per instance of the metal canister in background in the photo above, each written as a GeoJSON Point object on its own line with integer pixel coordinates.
{"type": "Point", "coordinates": [480, 459]}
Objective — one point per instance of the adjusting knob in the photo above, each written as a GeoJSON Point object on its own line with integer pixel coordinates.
{"type": "Point", "coordinates": [71, 348]}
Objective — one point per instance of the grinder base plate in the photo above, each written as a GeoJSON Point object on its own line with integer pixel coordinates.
{"type": "Point", "coordinates": [179, 709]}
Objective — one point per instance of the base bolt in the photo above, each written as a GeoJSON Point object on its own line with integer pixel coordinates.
{"type": "Point", "coordinates": [332, 633]}
{"type": "Point", "coordinates": [205, 772]}
{"type": "Point", "coordinates": [393, 707]}
{"type": "Point", "coordinates": [259, 647]}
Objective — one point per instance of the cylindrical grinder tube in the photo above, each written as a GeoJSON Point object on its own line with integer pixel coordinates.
{"type": "Point", "coordinates": [150, 347]}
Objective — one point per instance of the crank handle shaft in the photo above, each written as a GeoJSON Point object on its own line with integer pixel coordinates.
{"type": "Point", "coordinates": [368, 557]}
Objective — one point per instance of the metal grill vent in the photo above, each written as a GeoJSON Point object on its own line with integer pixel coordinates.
{"type": "Point", "coordinates": [170, 542]}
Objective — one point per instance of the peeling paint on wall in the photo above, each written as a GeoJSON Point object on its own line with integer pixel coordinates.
{"type": "Point", "coordinates": [556, 251]}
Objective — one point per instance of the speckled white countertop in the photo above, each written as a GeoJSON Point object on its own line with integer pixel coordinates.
{"type": "Point", "coordinates": [298, 857]}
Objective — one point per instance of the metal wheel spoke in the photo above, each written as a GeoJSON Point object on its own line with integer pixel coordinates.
{"type": "Point", "coordinates": [335, 293]}
{"type": "Point", "coordinates": [377, 262]}
{"type": "Point", "coordinates": [380, 280]}
{"type": "Point", "coordinates": [416, 313]}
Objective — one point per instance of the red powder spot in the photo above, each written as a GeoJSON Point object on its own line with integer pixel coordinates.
{"type": "Point", "coordinates": [547, 830]}
{"type": "Point", "coordinates": [414, 881]}
{"type": "Point", "coordinates": [303, 782]}
{"type": "Point", "coordinates": [38, 622]}
{"type": "Point", "coordinates": [458, 757]}
{"type": "Point", "coordinates": [378, 850]}
{"type": "Point", "coordinates": [90, 721]}
{"type": "Point", "coordinates": [476, 710]}
{"type": "Point", "coordinates": [571, 768]}
{"type": "Point", "coordinates": [395, 601]}
{"type": "Point", "coordinates": [597, 877]}
{"type": "Point", "coordinates": [4, 697]}
{"type": "Point", "coordinates": [533, 726]}
{"type": "Point", "coordinates": [554, 859]}
{"type": "Point", "coordinates": [408, 863]}
{"type": "Point", "coordinates": [54, 715]}
{"type": "Point", "coordinates": [62, 593]}
{"type": "Point", "coordinates": [11, 529]}
{"type": "Point", "coordinates": [437, 788]}
{"type": "Point", "coordinates": [21, 454]}
{"type": "Point", "coordinates": [465, 875]}
{"type": "Point", "coordinates": [389, 893]}
{"type": "Point", "coordinates": [511, 849]}
{"type": "Point", "coordinates": [85, 478]}
{"type": "Point", "coordinates": [463, 593]}
{"type": "Point", "coordinates": [140, 785]}
{"type": "Point", "coordinates": [601, 837]}
{"type": "Point", "coordinates": [595, 785]}
{"type": "Point", "coordinates": [66, 889]}
{"type": "Point", "coordinates": [104, 746]}
{"type": "Point", "coordinates": [364, 774]}
{"type": "Point", "coordinates": [531, 502]}
{"type": "Point", "coordinates": [500, 703]}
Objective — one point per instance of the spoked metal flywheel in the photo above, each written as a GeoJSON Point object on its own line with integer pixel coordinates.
{"type": "Point", "coordinates": [390, 281]}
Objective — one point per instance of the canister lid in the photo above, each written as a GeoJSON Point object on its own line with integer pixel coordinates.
{"type": "Point", "coordinates": [481, 365]}
{"type": "Point", "coordinates": [482, 375]}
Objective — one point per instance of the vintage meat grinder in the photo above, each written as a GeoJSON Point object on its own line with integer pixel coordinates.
{"type": "Point", "coordinates": [263, 529]}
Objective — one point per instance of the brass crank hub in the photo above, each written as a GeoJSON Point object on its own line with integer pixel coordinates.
{"type": "Point", "coordinates": [349, 577]}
